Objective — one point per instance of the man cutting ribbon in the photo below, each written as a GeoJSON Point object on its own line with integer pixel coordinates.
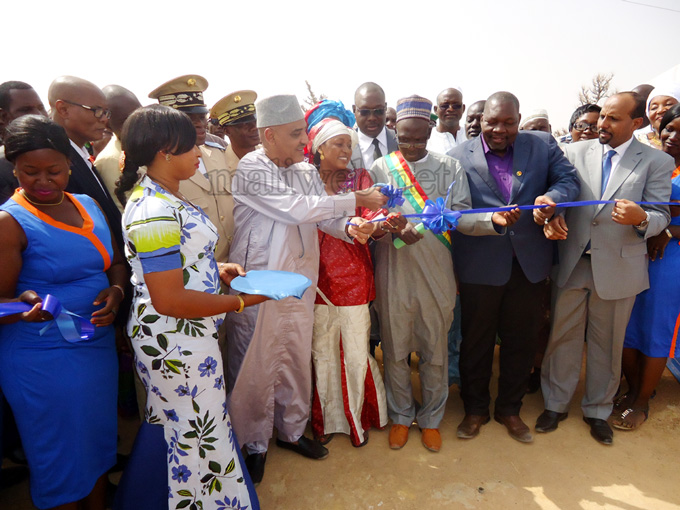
{"type": "Point", "coordinates": [415, 286]}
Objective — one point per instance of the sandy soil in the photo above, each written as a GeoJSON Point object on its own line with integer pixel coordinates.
{"type": "Point", "coordinates": [565, 469]}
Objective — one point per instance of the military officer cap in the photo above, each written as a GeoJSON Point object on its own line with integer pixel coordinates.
{"type": "Point", "coordinates": [236, 108]}
{"type": "Point", "coordinates": [184, 93]}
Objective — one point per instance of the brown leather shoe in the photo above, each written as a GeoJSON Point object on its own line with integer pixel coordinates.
{"type": "Point", "coordinates": [470, 425]}
{"type": "Point", "coordinates": [431, 439]}
{"type": "Point", "coordinates": [516, 428]}
{"type": "Point", "coordinates": [398, 436]}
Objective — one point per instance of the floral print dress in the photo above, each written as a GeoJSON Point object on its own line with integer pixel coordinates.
{"type": "Point", "coordinates": [179, 360]}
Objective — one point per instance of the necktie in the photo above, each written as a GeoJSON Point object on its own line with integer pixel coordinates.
{"type": "Point", "coordinates": [377, 153]}
{"type": "Point", "coordinates": [606, 169]}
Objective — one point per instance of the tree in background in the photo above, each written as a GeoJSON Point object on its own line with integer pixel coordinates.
{"type": "Point", "coordinates": [599, 89]}
{"type": "Point", "coordinates": [312, 98]}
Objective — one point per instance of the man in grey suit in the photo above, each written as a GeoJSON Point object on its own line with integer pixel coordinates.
{"type": "Point", "coordinates": [502, 278]}
{"type": "Point", "coordinates": [375, 140]}
{"type": "Point", "coordinates": [603, 263]}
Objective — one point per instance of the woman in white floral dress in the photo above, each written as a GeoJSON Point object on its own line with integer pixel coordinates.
{"type": "Point", "coordinates": [173, 324]}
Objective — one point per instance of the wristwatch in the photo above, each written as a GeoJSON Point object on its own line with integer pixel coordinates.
{"type": "Point", "coordinates": [643, 224]}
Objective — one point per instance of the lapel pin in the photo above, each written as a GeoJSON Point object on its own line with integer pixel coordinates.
{"type": "Point", "coordinates": [519, 173]}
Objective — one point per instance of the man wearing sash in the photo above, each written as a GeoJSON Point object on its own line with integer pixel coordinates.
{"type": "Point", "coordinates": [415, 285]}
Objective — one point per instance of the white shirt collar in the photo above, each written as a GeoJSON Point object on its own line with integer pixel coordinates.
{"type": "Point", "coordinates": [620, 150]}
{"type": "Point", "coordinates": [83, 153]}
{"type": "Point", "coordinates": [367, 148]}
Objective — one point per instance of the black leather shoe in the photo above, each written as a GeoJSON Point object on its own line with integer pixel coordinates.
{"type": "Point", "coordinates": [255, 464]}
{"type": "Point", "coordinates": [600, 430]}
{"type": "Point", "coordinates": [549, 420]}
{"type": "Point", "coordinates": [307, 447]}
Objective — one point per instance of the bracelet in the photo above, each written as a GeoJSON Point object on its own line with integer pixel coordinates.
{"type": "Point", "coordinates": [120, 288]}
{"type": "Point", "coordinates": [243, 304]}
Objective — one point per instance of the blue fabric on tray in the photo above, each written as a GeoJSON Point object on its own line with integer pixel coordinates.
{"type": "Point", "coordinates": [273, 284]}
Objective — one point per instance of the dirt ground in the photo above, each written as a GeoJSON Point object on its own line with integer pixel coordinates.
{"type": "Point", "coordinates": [564, 470]}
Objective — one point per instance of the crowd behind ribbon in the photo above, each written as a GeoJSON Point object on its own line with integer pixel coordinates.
{"type": "Point", "coordinates": [140, 218]}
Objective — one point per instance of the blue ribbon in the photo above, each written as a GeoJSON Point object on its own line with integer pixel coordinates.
{"type": "Point", "coordinates": [437, 218]}
{"type": "Point", "coordinates": [395, 196]}
{"type": "Point", "coordinates": [73, 327]}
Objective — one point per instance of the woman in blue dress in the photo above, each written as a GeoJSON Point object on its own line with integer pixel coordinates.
{"type": "Point", "coordinates": [62, 389]}
{"type": "Point", "coordinates": [652, 333]}
{"type": "Point", "coordinates": [186, 454]}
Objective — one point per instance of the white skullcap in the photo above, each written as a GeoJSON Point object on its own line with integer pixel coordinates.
{"type": "Point", "coordinates": [278, 110]}
{"type": "Point", "coordinates": [536, 114]}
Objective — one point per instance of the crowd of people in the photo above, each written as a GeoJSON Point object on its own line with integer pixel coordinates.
{"type": "Point", "coordinates": [137, 219]}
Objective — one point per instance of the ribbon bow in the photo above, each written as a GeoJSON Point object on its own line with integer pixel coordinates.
{"type": "Point", "coordinates": [73, 327]}
{"type": "Point", "coordinates": [395, 196]}
{"type": "Point", "coordinates": [437, 218]}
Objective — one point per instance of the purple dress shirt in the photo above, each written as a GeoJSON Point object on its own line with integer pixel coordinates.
{"type": "Point", "coordinates": [500, 167]}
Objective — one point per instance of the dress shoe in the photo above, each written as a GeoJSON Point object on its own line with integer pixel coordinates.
{"type": "Point", "coordinates": [431, 439]}
{"type": "Point", "coordinates": [306, 447]}
{"type": "Point", "coordinates": [471, 424]}
{"type": "Point", "coordinates": [398, 436]}
{"type": "Point", "coordinates": [255, 465]}
{"type": "Point", "coordinates": [517, 429]}
{"type": "Point", "coordinates": [549, 420]}
{"type": "Point", "coordinates": [600, 430]}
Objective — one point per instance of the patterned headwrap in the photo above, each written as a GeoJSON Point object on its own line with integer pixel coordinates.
{"type": "Point", "coordinates": [329, 108]}
{"type": "Point", "coordinates": [414, 107]}
{"type": "Point", "coordinates": [327, 129]}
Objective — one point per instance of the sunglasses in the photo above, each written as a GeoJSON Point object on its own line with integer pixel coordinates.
{"type": "Point", "coordinates": [453, 106]}
{"type": "Point", "coordinates": [98, 111]}
{"type": "Point", "coordinates": [367, 112]}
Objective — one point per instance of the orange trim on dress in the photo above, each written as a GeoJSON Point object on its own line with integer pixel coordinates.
{"type": "Point", "coordinates": [87, 230]}
{"type": "Point", "coordinates": [671, 353]}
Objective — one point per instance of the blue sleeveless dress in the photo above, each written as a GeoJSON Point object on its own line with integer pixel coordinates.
{"type": "Point", "coordinates": [655, 319]}
{"type": "Point", "coordinates": [63, 394]}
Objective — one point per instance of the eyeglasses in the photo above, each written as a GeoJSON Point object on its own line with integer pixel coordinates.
{"type": "Point", "coordinates": [98, 111]}
{"type": "Point", "coordinates": [367, 112]}
{"type": "Point", "coordinates": [453, 106]}
{"type": "Point", "coordinates": [419, 145]}
{"type": "Point", "coordinates": [582, 126]}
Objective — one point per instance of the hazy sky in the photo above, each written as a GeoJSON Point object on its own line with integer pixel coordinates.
{"type": "Point", "coordinates": [541, 50]}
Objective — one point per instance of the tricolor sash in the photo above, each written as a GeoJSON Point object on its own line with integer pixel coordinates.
{"type": "Point", "coordinates": [415, 195]}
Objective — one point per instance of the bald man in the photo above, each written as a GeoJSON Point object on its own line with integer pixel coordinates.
{"type": "Point", "coordinates": [448, 134]}
{"type": "Point", "coordinates": [473, 120]}
{"type": "Point", "coordinates": [375, 140]}
{"type": "Point", "coordinates": [122, 103]}
{"type": "Point", "coordinates": [80, 107]}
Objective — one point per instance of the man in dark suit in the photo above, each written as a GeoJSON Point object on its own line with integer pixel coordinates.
{"type": "Point", "coordinates": [16, 99]}
{"type": "Point", "coordinates": [375, 140]}
{"type": "Point", "coordinates": [502, 277]}
{"type": "Point", "coordinates": [80, 108]}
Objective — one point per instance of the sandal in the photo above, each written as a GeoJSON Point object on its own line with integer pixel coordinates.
{"type": "Point", "coordinates": [631, 419]}
{"type": "Point", "coordinates": [324, 439]}
{"type": "Point", "coordinates": [621, 403]}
